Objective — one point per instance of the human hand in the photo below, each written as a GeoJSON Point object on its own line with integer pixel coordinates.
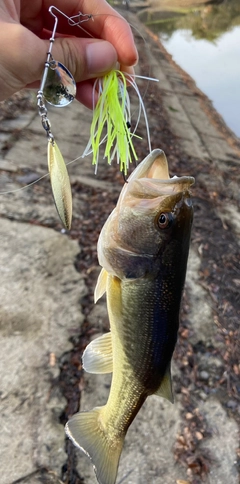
{"type": "Point", "coordinates": [25, 29]}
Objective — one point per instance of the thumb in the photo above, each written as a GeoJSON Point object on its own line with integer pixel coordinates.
{"type": "Point", "coordinates": [23, 56]}
{"type": "Point", "coordinates": [85, 58]}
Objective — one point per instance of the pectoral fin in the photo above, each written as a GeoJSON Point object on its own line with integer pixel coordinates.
{"type": "Point", "coordinates": [165, 389]}
{"type": "Point", "coordinates": [97, 357]}
{"type": "Point", "coordinates": [101, 285]}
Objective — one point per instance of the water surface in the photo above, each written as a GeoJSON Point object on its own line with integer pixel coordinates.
{"type": "Point", "coordinates": [215, 68]}
{"type": "Point", "coordinates": [205, 42]}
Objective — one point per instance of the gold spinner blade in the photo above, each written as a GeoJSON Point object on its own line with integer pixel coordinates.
{"type": "Point", "coordinates": [60, 183]}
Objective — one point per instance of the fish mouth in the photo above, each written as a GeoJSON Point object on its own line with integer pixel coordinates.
{"type": "Point", "coordinates": [154, 166]}
{"type": "Point", "coordinates": [151, 179]}
{"type": "Point", "coordinates": [148, 188]}
{"type": "Point", "coordinates": [151, 192]}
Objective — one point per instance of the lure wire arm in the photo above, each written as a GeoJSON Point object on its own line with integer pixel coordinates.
{"type": "Point", "coordinates": [75, 20]}
{"type": "Point", "coordinates": [42, 110]}
{"type": "Point", "coordinates": [80, 18]}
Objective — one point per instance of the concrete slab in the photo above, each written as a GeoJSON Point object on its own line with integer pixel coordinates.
{"type": "Point", "coordinates": [198, 117]}
{"type": "Point", "coordinates": [217, 147]}
{"type": "Point", "coordinates": [70, 132]}
{"type": "Point", "coordinates": [188, 137]}
{"type": "Point", "coordinates": [18, 123]}
{"type": "Point", "coordinates": [224, 430]}
{"type": "Point", "coordinates": [60, 121]}
{"type": "Point", "coordinates": [147, 453]}
{"type": "Point", "coordinates": [175, 109]}
{"type": "Point", "coordinates": [26, 205]}
{"type": "Point", "coordinates": [39, 293]}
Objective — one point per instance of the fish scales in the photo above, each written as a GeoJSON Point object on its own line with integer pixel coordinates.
{"type": "Point", "coordinates": [143, 249]}
{"type": "Point", "coordinates": [155, 335]}
{"type": "Point", "coordinates": [120, 411]}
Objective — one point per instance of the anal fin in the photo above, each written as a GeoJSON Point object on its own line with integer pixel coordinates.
{"type": "Point", "coordinates": [165, 389]}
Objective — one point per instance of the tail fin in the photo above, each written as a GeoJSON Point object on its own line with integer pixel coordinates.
{"type": "Point", "coordinates": [86, 432]}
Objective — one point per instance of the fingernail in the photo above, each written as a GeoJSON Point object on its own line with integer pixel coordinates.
{"type": "Point", "coordinates": [101, 57]}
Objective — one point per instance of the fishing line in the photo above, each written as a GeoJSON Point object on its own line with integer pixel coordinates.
{"type": "Point", "coordinates": [126, 476]}
{"type": "Point", "coordinates": [76, 21]}
{"type": "Point", "coordinates": [38, 179]}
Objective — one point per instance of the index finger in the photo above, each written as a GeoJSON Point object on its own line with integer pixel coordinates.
{"type": "Point", "coordinates": [104, 23]}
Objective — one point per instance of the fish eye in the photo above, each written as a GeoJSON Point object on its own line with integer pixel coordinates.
{"type": "Point", "coordinates": [164, 220]}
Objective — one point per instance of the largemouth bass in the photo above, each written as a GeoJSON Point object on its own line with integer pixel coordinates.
{"type": "Point", "coordinates": [143, 250]}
